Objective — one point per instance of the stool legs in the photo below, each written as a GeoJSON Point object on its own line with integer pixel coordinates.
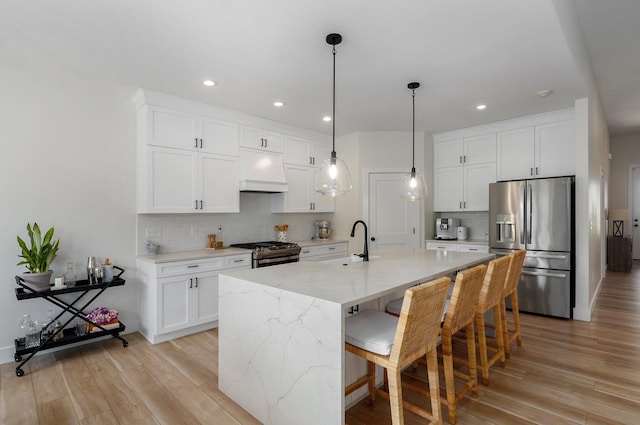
{"type": "Point", "coordinates": [485, 362]}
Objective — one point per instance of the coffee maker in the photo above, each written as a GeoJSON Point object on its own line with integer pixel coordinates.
{"type": "Point", "coordinates": [322, 229]}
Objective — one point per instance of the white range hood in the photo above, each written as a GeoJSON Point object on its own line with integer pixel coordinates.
{"type": "Point", "coordinates": [261, 172]}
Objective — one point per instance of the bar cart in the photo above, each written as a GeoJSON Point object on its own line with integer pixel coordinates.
{"type": "Point", "coordinates": [81, 288]}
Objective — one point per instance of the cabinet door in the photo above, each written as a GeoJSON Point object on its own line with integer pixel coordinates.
{"type": "Point", "coordinates": [219, 137]}
{"type": "Point", "coordinates": [448, 154]}
{"type": "Point", "coordinates": [257, 138]}
{"type": "Point", "coordinates": [174, 303]}
{"type": "Point", "coordinates": [320, 152]}
{"type": "Point", "coordinates": [171, 129]}
{"type": "Point", "coordinates": [448, 193]}
{"type": "Point", "coordinates": [297, 151]}
{"type": "Point", "coordinates": [205, 300]}
{"type": "Point", "coordinates": [321, 203]}
{"type": "Point", "coordinates": [171, 180]}
{"type": "Point", "coordinates": [297, 199]}
{"type": "Point", "coordinates": [219, 183]}
{"type": "Point", "coordinates": [515, 154]}
{"type": "Point", "coordinates": [480, 149]}
{"type": "Point", "coordinates": [555, 149]}
{"type": "Point", "coordinates": [476, 186]}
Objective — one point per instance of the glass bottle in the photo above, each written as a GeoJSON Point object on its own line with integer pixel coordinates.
{"type": "Point", "coordinates": [32, 339]}
{"type": "Point", "coordinates": [70, 276]}
{"type": "Point", "coordinates": [59, 335]}
{"type": "Point", "coordinates": [23, 328]}
{"type": "Point", "coordinates": [47, 328]}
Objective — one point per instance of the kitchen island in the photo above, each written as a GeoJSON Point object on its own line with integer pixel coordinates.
{"type": "Point", "coordinates": [281, 328]}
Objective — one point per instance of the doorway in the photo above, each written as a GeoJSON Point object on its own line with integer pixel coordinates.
{"type": "Point", "coordinates": [635, 212]}
{"type": "Point", "coordinates": [393, 221]}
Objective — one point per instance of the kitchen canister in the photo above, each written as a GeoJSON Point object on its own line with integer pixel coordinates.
{"type": "Point", "coordinates": [463, 233]}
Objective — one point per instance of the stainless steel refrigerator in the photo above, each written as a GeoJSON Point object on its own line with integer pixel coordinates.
{"type": "Point", "coordinates": [537, 215]}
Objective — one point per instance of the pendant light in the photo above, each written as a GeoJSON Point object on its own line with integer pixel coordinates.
{"type": "Point", "coordinates": [333, 178]}
{"type": "Point", "coordinates": [413, 186]}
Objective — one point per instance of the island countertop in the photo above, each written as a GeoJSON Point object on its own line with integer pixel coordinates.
{"type": "Point", "coordinates": [346, 282]}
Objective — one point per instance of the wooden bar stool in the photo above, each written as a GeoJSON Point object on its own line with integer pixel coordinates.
{"type": "Point", "coordinates": [460, 315]}
{"type": "Point", "coordinates": [511, 290]}
{"type": "Point", "coordinates": [490, 300]}
{"type": "Point", "coordinates": [395, 343]}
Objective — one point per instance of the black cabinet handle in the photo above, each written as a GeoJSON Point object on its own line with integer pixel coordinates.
{"type": "Point", "coordinates": [373, 239]}
{"type": "Point", "coordinates": [196, 206]}
{"type": "Point", "coordinates": [196, 140]}
{"type": "Point", "coordinates": [200, 143]}
{"type": "Point", "coordinates": [200, 204]}
{"type": "Point", "coordinates": [196, 282]}
{"type": "Point", "coordinates": [191, 283]}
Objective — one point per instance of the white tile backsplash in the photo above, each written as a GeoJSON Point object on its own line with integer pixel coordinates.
{"type": "Point", "coordinates": [253, 223]}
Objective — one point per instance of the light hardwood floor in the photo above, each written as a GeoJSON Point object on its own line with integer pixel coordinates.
{"type": "Point", "coordinates": [566, 372]}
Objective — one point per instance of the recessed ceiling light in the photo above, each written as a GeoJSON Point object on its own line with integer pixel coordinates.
{"type": "Point", "coordinates": [209, 83]}
{"type": "Point", "coordinates": [481, 107]}
{"type": "Point", "coordinates": [278, 104]}
{"type": "Point", "coordinates": [326, 118]}
{"type": "Point", "coordinates": [544, 93]}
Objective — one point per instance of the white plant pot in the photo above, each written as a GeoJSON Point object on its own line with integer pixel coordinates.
{"type": "Point", "coordinates": [39, 282]}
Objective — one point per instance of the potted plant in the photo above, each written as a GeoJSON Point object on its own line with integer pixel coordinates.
{"type": "Point", "coordinates": [38, 257]}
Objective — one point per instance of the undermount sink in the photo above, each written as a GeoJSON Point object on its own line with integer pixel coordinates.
{"type": "Point", "coordinates": [345, 261]}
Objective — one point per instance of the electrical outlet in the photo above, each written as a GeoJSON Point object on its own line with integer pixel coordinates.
{"type": "Point", "coordinates": [194, 229]}
{"type": "Point", "coordinates": [153, 232]}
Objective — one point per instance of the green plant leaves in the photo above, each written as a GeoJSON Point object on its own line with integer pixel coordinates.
{"type": "Point", "coordinates": [42, 252]}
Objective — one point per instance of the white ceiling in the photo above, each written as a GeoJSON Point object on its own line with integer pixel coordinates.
{"type": "Point", "coordinates": [463, 52]}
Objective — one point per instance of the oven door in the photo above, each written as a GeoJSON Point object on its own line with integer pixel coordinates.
{"type": "Point", "coordinates": [274, 261]}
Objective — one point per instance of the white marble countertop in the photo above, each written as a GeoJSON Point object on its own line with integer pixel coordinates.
{"type": "Point", "coordinates": [349, 283]}
{"type": "Point", "coordinates": [467, 241]}
{"type": "Point", "coordinates": [198, 254]}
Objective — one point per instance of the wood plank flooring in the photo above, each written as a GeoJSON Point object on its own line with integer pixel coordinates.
{"type": "Point", "coordinates": [566, 372]}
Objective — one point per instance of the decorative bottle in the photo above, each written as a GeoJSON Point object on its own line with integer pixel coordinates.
{"type": "Point", "coordinates": [23, 328]}
{"type": "Point", "coordinates": [32, 339]}
{"type": "Point", "coordinates": [70, 276]}
{"type": "Point", "coordinates": [59, 335]}
{"type": "Point", "coordinates": [47, 328]}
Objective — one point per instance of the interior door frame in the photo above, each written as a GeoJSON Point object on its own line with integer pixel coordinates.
{"type": "Point", "coordinates": [365, 196]}
{"type": "Point", "coordinates": [631, 200]}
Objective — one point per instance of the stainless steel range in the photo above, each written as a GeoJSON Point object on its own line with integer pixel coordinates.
{"type": "Point", "coordinates": [271, 253]}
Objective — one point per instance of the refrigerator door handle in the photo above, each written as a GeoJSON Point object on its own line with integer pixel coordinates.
{"type": "Point", "coordinates": [530, 207]}
{"type": "Point", "coordinates": [547, 256]}
{"type": "Point", "coordinates": [522, 212]}
{"type": "Point", "coordinates": [547, 274]}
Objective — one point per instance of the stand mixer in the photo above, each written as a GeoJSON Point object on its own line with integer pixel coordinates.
{"type": "Point", "coordinates": [323, 229]}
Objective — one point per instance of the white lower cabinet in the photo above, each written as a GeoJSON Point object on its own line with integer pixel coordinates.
{"type": "Point", "coordinates": [323, 252]}
{"type": "Point", "coordinates": [179, 298]}
{"type": "Point", "coordinates": [460, 247]}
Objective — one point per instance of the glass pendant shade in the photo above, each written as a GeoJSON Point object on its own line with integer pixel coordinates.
{"type": "Point", "coordinates": [414, 187]}
{"type": "Point", "coordinates": [333, 178]}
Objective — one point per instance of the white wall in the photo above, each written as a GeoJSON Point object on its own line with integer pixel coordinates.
{"type": "Point", "coordinates": [625, 151]}
{"type": "Point", "coordinates": [372, 150]}
{"type": "Point", "coordinates": [68, 162]}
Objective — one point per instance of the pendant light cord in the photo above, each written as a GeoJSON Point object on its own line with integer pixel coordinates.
{"type": "Point", "coordinates": [413, 157]}
{"type": "Point", "coordinates": [333, 117]}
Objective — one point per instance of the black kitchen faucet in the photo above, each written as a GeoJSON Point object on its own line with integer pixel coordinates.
{"type": "Point", "coordinates": [365, 254]}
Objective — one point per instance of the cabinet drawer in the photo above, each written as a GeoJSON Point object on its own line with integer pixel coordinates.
{"type": "Point", "coordinates": [189, 266]}
{"type": "Point", "coordinates": [442, 246]}
{"type": "Point", "coordinates": [464, 247]}
{"type": "Point", "coordinates": [237, 261]}
{"type": "Point", "coordinates": [339, 250]}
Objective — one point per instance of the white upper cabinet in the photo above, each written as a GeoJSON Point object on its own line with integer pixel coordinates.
{"type": "Point", "coordinates": [171, 128]}
{"type": "Point", "coordinates": [555, 149]}
{"type": "Point", "coordinates": [261, 139]}
{"type": "Point", "coordinates": [303, 158]}
{"type": "Point", "coordinates": [544, 150]}
{"type": "Point", "coordinates": [187, 162]}
{"type": "Point", "coordinates": [463, 169]}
